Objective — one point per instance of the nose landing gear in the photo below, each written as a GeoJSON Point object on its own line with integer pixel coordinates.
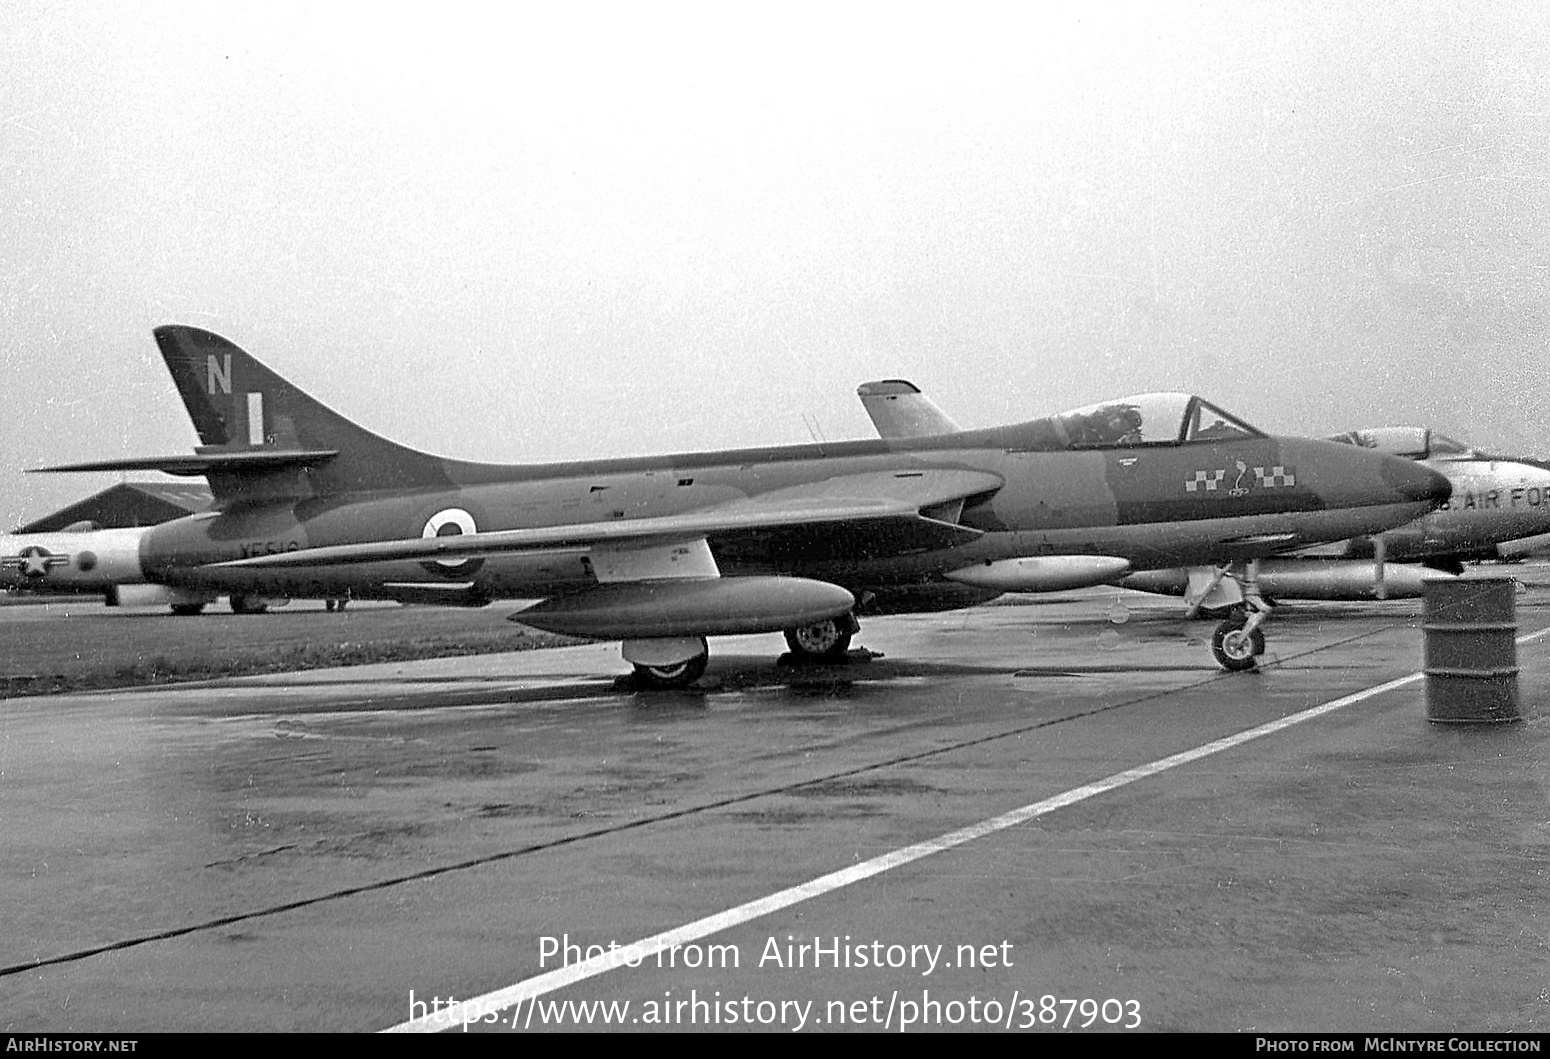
{"type": "Point", "coordinates": [1237, 642]}
{"type": "Point", "coordinates": [1236, 645]}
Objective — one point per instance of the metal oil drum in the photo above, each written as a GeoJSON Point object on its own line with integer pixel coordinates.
{"type": "Point", "coordinates": [1470, 629]}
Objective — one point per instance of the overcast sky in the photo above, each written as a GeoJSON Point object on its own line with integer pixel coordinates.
{"type": "Point", "coordinates": [534, 233]}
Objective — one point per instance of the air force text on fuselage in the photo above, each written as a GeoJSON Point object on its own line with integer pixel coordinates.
{"type": "Point", "coordinates": [1496, 499]}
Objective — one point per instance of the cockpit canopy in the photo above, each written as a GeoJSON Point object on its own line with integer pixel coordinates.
{"type": "Point", "coordinates": [1150, 419]}
{"type": "Point", "coordinates": [1413, 443]}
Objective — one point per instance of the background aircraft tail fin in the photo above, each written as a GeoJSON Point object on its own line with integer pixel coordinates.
{"type": "Point", "coordinates": [899, 410]}
{"type": "Point", "coordinates": [241, 407]}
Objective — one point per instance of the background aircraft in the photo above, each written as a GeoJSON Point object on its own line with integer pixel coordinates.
{"type": "Point", "coordinates": [45, 544]}
{"type": "Point", "coordinates": [124, 506]}
{"type": "Point", "coordinates": [661, 552]}
{"type": "Point", "coordinates": [101, 562]}
{"type": "Point", "coordinates": [1496, 500]}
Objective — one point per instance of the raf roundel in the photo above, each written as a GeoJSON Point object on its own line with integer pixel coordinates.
{"type": "Point", "coordinates": [451, 522]}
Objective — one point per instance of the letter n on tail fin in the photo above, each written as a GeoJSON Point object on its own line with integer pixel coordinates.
{"type": "Point", "coordinates": [238, 405]}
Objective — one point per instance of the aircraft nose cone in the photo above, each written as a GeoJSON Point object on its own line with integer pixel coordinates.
{"type": "Point", "coordinates": [1415, 482]}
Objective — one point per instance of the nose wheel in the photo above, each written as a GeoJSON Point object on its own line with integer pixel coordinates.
{"type": "Point", "coordinates": [1238, 642]}
{"type": "Point", "coordinates": [1236, 646]}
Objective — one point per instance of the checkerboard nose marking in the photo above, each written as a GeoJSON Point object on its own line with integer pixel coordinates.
{"type": "Point", "coordinates": [1277, 477]}
{"type": "Point", "coordinates": [1208, 479]}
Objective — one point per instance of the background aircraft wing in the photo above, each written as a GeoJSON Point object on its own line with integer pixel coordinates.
{"type": "Point", "coordinates": [861, 516]}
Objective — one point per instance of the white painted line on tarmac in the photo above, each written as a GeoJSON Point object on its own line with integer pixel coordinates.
{"type": "Point", "coordinates": [530, 989]}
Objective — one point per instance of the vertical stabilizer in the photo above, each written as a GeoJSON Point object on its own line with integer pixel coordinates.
{"type": "Point", "coordinates": [240, 406]}
{"type": "Point", "coordinates": [899, 410]}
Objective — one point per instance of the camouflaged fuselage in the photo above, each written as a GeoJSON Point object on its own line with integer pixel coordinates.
{"type": "Point", "coordinates": [1155, 505]}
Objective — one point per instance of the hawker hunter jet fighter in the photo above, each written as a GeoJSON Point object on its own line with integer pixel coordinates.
{"type": "Point", "coordinates": [661, 552]}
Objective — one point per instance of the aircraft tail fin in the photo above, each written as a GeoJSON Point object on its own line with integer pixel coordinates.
{"type": "Point", "coordinates": [251, 421]}
{"type": "Point", "coordinates": [899, 410]}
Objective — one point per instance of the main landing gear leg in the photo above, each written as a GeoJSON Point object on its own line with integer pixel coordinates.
{"type": "Point", "coordinates": [1237, 642]}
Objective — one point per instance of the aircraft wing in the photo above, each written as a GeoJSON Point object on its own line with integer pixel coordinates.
{"type": "Point", "coordinates": [863, 515]}
{"type": "Point", "coordinates": [255, 460]}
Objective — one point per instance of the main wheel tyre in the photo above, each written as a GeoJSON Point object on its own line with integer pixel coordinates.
{"type": "Point", "coordinates": [187, 610]}
{"type": "Point", "coordinates": [1236, 648]}
{"type": "Point", "coordinates": [677, 675]}
{"type": "Point", "coordinates": [242, 603]}
{"type": "Point", "coordinates": [822, 641]}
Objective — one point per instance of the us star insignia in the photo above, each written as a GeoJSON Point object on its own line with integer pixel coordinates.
{"type": "Point", "coordinates": [34, 561]}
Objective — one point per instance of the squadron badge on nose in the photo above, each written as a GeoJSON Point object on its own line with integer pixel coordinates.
{"type": "Point", "coordinates": [1278, 477]}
